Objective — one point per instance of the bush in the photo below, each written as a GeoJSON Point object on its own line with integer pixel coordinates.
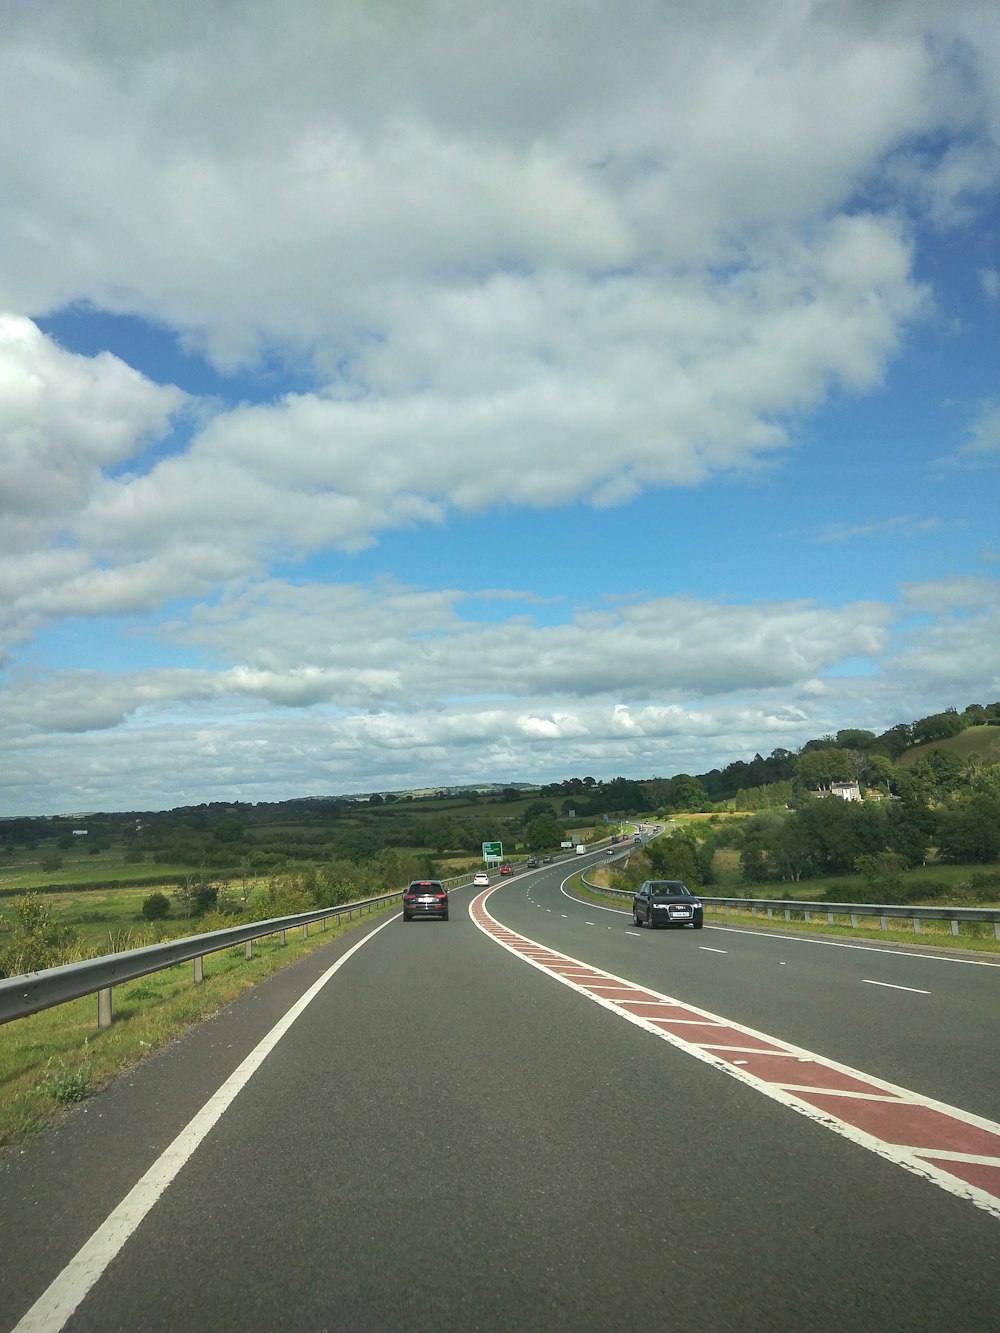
{"type": "Point", "coordinates": [156, 907]}
{"type": "Point", "coordinates": [37, 940]}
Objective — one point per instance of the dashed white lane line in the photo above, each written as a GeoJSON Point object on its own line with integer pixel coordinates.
{"type": "Point", "coordinates": [914, 990]}
{"type": "Point", "coordinates": [707, 948]}
{"type": "Point", "coordinates": [953, 1149]}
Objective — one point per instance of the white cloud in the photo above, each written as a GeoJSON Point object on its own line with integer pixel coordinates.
{"type": "Point", "coordinates": [64, 419]}
{"type": "Point", "coordinates": [537, 254]}
{"type": "Point", "coordinates": [982, 442]}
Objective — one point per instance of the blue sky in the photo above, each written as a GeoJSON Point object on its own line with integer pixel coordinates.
{"type": "Point", "coordinates": [411, 395]}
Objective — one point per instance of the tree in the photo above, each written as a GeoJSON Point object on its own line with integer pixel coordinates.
{"type": "Point", "coordinates": [938, 727]}
{"type": "Point", "coordinates": [544, 832]}
{"type": "Point", "coordinates": [230, 829]}
{"type": "Point", "coordinates": [819, 768]}
{"type": "Point", "coordinates": [970, 830]}
{"type": "Point", "coordinates": [686, 793]}
{"type": "Point", "coordinates": [675, 857]}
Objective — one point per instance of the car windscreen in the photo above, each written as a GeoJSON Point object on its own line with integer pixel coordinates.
{"type": "Point", "coordinates": [671, 891]}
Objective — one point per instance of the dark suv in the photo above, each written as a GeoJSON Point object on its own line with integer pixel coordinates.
{"type": "Point", "coordinates": [666, 902]}
{"type": "Point", "coordinates": [425, 897]}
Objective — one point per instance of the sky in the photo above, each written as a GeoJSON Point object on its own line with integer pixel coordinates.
{"type": "Point", "coordinates": [408, 393]}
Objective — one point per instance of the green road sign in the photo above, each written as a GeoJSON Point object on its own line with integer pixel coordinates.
{"type": "Point", "coordinates": [492, 851]}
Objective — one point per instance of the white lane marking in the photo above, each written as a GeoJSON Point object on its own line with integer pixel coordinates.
{"type": "Point", "coordinates": [64, 1294]}
{"type": "Point", "coordinates": [914, 990]}
{"type": "Point", "coordinates": [886, 950]}
{"type": "Point", "coordinates": [707, 948]}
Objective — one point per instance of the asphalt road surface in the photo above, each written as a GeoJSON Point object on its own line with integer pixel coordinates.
{"type": "Point", "coordinates": [446, 1135]}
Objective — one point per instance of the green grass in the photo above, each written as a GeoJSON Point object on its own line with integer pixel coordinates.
{"type": "Point", "coordinates": [24, 871]}
{"type": "Point", "coordinates": [53, 1059]}
{"type": "Point", "coordinates": [984, 741]}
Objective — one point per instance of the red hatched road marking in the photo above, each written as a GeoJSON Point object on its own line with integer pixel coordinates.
{"type": "Point", "coordinates": [954, 1149]}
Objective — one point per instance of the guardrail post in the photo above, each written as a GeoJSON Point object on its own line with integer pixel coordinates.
{"type": "Point", "coordinates": [884, 922]}
{"type": "Point", "coordinates": [808, 916]}
{"type": "Point", "coordinates": [199, 969]}
{"type": "Point", "coordinates": [916, 925]}
{"type": "Point", "coordinates": [281, 936]}
{"type": "Point", "coordinates": [770, 914]}
{"type": "Point", "coordinates": [854, 920]}
{"type": "Point", "coordinates": [104, 1007]}
{"type": "Point", "coordinates": [305, 930]}
{"type": "Point", "coordinates": [788, 914]}
{"type": "Point", "coordinates": [996, 930]}
{"type": "Point", "coordinates": [954, 927]}
{"type": "Point", "coordinates": [829, 919]}
{"type": "Point", "coordinates": [249, 949]}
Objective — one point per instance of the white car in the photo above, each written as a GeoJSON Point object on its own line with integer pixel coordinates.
{"type": "Point", "coordinates": [481, 880]}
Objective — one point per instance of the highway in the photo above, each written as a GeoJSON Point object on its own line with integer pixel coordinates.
{"type": "Point", "coordinates": [463, 1130]}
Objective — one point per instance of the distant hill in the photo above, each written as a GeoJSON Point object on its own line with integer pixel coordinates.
{"type": "Point", "coordinates": [984, 741]}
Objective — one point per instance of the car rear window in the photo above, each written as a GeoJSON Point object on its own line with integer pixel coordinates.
{"type": "Point", "coordinates": [425, 886]}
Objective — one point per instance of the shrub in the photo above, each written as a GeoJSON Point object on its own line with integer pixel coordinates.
{"type": "Point", "coordinates": [37, 939]}
{"type": "Point", "coordinates": [156, 907]}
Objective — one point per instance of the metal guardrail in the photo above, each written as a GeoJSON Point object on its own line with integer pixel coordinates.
{"type": "Point", "coordinates": [29, 994]}
{"type": "Point", "coordinates": [21, 996]}
{"type": "Point", "coordinates": [809, 910]}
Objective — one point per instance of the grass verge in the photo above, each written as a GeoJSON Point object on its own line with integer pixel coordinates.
{"type": "Point", "coordinates": [58, 1057]}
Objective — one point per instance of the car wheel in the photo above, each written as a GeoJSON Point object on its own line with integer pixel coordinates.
{"type": "Point", "coordinates": [698, 925]}
{"type": "Point", "coordinates": [407, 918]}
{"type": "Point", "coordinates": [635, 918]}
{"type": "Point", "coordinates": [650, 922]}
{"type": "Point", "coordinates": [445, 917]}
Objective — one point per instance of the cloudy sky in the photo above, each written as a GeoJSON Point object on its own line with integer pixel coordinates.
{"type": "Point", "coordinates": [410, 392]}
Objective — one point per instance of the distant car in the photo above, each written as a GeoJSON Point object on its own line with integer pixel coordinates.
{"type": "Point", "coordinates": [425, 897]}
{"type": "Point", "coordinates": [481, 880]}
{"type": "Point", "coordinates": [546, 860]}
{"type": "Point", "coordinates": [531, 862]}
{"type": "Point", "coordinates": [666, 902]}
{"type": "Point", "coordinates": [506, 870]}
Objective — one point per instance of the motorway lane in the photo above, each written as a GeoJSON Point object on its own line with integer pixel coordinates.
{"type": "Point", "coordinates": [942, 1043]}
{"type": "Point", "coordinates": [448, 1139]}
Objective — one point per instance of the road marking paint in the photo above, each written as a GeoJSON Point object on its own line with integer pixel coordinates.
{"type": "Point", "coordinates": [889, 986]}
{"type": "Point", "coordinates": [765, 934]}
{"type": "Point", "coordinates": [707, 948]}
{"type": "Point", "coordinates": [64, 1294]}
{"type": "Point", "coordinates": [945, 1145]}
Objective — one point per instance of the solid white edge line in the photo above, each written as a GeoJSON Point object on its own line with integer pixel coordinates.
{"type": "Point", "coordinates": [65, 1293]}
{"type": "Point", "coordinates": [890, 1152]}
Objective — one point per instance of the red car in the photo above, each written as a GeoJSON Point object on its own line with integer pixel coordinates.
{"type": "Point", "coordinates": [506, 870]}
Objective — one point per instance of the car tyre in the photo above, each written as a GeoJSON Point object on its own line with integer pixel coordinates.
{"type": "Point", "coordinates": [635, 918]}
{"type": "Point", "coordinates": [698, 925]}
